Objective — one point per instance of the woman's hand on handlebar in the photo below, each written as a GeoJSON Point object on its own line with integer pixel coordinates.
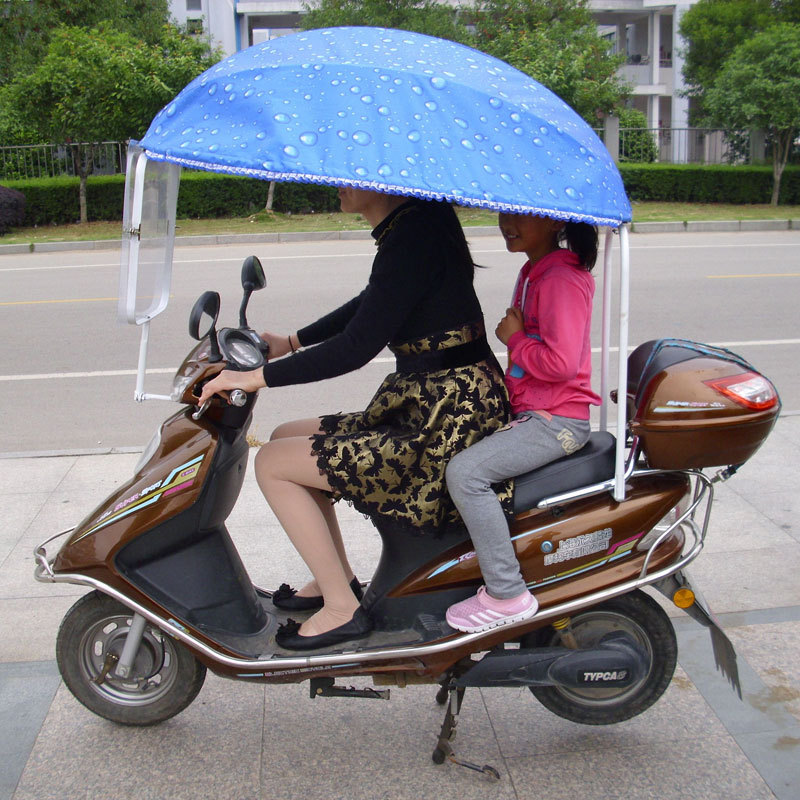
{"type": "Point", "coordinates": [228, 379]}
{"type": "Point", "coordinates": [278, 345]}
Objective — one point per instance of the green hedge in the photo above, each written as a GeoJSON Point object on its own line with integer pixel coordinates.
{"type": "Point", "coordinates": [686, 183]}
{"type": "Point", "coordinates": [208, 195]}
{"type": "Point", "coordinates": [202, 195]}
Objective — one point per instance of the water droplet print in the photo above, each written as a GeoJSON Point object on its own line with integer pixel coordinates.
{"type": "Point", "coordinates": [376, 105]}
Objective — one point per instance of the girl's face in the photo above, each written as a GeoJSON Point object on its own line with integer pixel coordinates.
{"type": "Point", "coordinates": [534, 236]}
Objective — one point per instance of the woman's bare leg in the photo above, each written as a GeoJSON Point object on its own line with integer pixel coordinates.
{"type": "Point", "coordinates": [307, 428]}
{"type": "Point", "coordinates": [288, 475]}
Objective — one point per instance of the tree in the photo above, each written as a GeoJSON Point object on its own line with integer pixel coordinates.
{"type": "Point", "coordinates": [713, 29]}
{"type": "Point", "coordinates": [420, 16]}
{"type": "Point", "coordinates": [557, 43]}
{"type": "Point", "coordinates": [25, 26]}
{"type": "Point", "coordinates": [637, 144]}
{"type": "Point", "coordinates": [99, 84]}
{"type": "Point", "coordinates": [759, 87]}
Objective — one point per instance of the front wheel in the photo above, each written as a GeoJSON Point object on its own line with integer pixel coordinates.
{"type": "Point", "coordinates": [635, 614]}
{"type": "Point", "coordinates": [164, 679]}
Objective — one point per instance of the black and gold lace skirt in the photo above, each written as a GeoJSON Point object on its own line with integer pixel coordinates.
{"type": "Point", "coordinates": [390, 459]}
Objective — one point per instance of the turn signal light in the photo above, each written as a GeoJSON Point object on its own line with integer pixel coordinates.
{"type": "Point", "coordinates": [683, 598]}
{"type": "Point", "coordinates": [749, 389]}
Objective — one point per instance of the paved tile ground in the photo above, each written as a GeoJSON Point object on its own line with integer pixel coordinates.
{"type": "Point", "coordinates": [249, 742]}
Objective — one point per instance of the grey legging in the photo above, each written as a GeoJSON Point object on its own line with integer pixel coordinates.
{"type": "Point", "coordinates": [528, 442]}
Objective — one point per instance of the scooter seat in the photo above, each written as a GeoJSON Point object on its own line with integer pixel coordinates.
{"type": "Point", "coordinates": [593, 463]}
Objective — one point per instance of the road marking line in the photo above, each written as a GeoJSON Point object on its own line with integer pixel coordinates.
{"type": "Point", "coordinates": [72, 300]}
{"type": "Point", "coordinates": [115, 373]}
{"type": "Point", "coordinates": [315, 256]}
{"type": "Point", "coordinates": [763, 275]}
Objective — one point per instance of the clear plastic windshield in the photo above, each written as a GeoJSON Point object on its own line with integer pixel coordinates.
{"type": "Point", "coordinates": [148, 237]}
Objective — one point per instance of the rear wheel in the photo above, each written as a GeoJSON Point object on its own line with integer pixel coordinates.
{"type": "Point", "coordinates": [165, 677]}
{"type": "Point", "coordinates": [635, 614]}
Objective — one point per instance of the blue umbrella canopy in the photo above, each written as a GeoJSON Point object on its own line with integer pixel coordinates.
{"type": "Point", "coordinates": [396, 112]}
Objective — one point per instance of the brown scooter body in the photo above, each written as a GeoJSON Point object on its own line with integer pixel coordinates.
{"type": "Point", "coordinates": [165, 569]}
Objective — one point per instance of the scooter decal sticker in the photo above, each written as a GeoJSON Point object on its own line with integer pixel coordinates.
{"type": "Point", "coordinates": [180, 478]}
{"type": "Point", "coordinates": [619, 550]}
{"type": "Point", "coordinates": [470, 554]}
{"type": "Point", "coordinates": [579, 546]}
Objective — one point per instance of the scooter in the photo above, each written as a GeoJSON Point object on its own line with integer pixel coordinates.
{"type": "Point", "coordinates": [171, 597]}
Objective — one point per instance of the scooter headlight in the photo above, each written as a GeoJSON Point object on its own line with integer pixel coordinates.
{"type": "Point", "coordinates": [148, 452]}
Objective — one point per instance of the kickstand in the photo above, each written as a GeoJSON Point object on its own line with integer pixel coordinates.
{"type": "Point", "coordinates": [444, 749]}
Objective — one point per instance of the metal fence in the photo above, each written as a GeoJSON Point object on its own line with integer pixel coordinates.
{"type": "Point", "coordinates": [665, 145]}
{"type": "Point", "coordinates": [52, 160]}
{"type": "Point", "coordinates": [685, 146]}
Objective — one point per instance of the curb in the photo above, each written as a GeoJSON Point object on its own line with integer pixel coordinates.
{"type": "Point", "coordinates": [722, 225]}
{"type": "Point", "coordinates": [221, 238]}
{"type": "Point", "coordinates": [730, 226]}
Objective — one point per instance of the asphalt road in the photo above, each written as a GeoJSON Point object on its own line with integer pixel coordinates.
{"type": "Point", "coordinates": [67, 374]}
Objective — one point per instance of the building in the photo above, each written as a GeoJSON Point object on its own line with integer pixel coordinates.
{"type": "Point", "coordinates": [646, 31]}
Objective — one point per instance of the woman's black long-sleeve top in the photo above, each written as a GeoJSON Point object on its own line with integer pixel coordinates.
{"type": "Point", "coordinates": [421, 283]}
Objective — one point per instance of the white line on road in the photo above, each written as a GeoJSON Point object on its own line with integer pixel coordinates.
{"type": "Point", "coordinates": [369, 254]}
{"type": "Point", "coordinates": [114, 373]}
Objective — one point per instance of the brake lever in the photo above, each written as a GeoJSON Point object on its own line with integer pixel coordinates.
{"type": "Point", "coordinates": [202, 410]}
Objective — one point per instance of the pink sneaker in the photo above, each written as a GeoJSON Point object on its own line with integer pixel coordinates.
{"type": "Point", "coordinates": [481, 612]}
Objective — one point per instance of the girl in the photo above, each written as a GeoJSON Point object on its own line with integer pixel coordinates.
{"type": "Point", "coordinates": [547, 333]}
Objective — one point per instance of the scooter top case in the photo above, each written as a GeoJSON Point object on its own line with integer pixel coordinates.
{"type": "Point", "coordinates": [693, 406]}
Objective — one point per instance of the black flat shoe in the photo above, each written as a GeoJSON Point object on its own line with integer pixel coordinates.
{"type": "Point", "coordinates": [286, 598]}
{"type": "Point", "coordinates": [288, 635]}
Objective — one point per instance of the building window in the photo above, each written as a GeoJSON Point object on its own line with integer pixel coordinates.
{"type": "Point", "coordinates": [194, 5]}
{"type": "Point", "coordinates": [194, 27]}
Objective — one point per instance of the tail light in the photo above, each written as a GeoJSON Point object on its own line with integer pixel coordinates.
{"type": "Point", "coordinates": [749, 389]}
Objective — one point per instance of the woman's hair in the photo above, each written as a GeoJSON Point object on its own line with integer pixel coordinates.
{"type": "Point", "coordinates": [450, 228]}
{"type": "Point", "coordinates": [581, 238]}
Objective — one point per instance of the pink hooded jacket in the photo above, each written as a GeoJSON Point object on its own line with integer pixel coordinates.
{"type": "Point", "coordinates": [550, 363]}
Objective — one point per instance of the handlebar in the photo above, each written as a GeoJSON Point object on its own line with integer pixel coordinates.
{"type": "Point", "coordinates": [237, 397]}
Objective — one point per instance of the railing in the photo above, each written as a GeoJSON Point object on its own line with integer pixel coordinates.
{"type": "Point", "coordinates": [682, 146]}
{"type": "Point", "coordinates": [669, 146]}
{"type": "Point", "coordinates": [52, 160]}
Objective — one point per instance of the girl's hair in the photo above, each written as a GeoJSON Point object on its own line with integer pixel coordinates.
{"type": "Point", "coordinates": [581, 238]}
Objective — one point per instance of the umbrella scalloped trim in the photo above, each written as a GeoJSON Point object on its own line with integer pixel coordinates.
{"type": "Point", "coordinates": [378, 186]}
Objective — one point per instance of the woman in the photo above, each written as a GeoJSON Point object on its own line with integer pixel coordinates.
{"type": "Point", "coordinates": [389, 460]}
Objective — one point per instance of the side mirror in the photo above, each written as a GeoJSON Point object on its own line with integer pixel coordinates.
{"type": "Point", "coordinates": [253, 278]}
{"type": "Point", "coordinates": [203, 319]}
{"type": "Point", "coordinates": [204, 315]}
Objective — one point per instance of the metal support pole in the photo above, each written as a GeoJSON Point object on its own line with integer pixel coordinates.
{"type": "Point", "coordinates": [622, 379]}
{"type": "Point", "coordinates": [606, 332]}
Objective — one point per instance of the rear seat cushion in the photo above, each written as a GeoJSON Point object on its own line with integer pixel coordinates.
{"type": "Point", "coordinates": [593, 463]}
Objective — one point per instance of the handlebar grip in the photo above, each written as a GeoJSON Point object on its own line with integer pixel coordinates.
{"type": "Point", "coordinates": [238, 398]}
